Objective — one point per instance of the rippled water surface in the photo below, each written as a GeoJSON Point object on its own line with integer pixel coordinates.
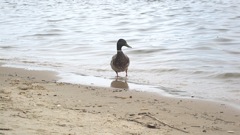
{"type": "Point", "coordinates": [181, 47]}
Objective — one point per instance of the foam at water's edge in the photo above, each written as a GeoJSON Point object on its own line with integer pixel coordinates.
{"type": "Point", "coordinates": [122, 83]}
{"type": "Point", "coordinates": [108, 82]}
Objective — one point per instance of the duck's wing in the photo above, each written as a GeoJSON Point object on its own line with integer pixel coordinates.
{"type": "Point", "coordinates": [113, 58]}
{"type": "Point", "coordinates": [127, 61]}
{"type": "Point", "coordinates": [112, 61]}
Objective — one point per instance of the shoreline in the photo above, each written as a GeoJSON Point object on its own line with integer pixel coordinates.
{"type": "Point", "coordinates": [123, 83]}
{"type": "Point", "coordinates": [32, 102]}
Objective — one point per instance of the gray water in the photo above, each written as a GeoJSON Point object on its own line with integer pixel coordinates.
{"type": "Point", "coordinates": [180, 47]}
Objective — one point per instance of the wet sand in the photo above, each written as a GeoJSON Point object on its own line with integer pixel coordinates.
{"type": "Point", "coordinates": [32, 102]}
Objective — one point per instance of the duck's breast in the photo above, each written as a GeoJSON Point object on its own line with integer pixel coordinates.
{"type": "Point", "coordinates": [120, 62]}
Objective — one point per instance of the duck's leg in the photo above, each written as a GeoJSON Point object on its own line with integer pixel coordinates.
{"type": "Point", "coordinates": [116, 73]}
{"type": "Point", "coordinates": [126, 73]}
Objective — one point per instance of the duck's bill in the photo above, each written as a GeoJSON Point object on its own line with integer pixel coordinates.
{"type": "Point", "coordinates": [128, 46]}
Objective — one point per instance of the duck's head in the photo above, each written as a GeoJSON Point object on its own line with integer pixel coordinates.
{"type": "Point", "coordinates": [121, 43]}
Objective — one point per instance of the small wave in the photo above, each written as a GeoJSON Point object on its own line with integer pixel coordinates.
{"type": "Point", "coordinates": [162, 70]}
{"type": "Point", "coordinates": [173, 91]}
{"type": "Point", "coordinates": [203, 48]}
{"type": "Point", "coordinates": [198, 72]}
{"type": "Point", "coordinates": [236, 17]}
{"type": "Point", "coordinates": [55, 30]}
{"type": "Point", "coordinates": [3, 59]}
{"type": "Point", "coordinates": [6, 47]}
{"type": "Point", "coordinates": [169, 70]}
{"type": "Point", "coordinates": [147, 51]}
{"type": "Point", "coordinates": [233, 52]}
{"type": "Point", "coordinates": [31, 62]}
{"type": "Point", "coordinates": [223, 39]}
{"type": "Point", "coordinates": [221, 30]}
{"type": "Point", "coordinates": [57, 20]}
{"type": "Point", "coordinates": [42, 35]}
{"type": "Point", "coordinates": [228, 75]}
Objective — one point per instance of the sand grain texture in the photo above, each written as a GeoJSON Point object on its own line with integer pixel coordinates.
{"type": "Point", "coordinates": [33, 103]}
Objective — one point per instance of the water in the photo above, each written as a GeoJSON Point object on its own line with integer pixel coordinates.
{"type": "Point", "coordinates": [180, 47]}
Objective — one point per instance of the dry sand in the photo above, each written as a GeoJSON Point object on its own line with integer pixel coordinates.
{"type": "Point", "coordinates": [32, 103]}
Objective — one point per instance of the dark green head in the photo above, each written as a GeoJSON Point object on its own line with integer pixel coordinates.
{"type": "Point", "coordinates": [121, 43]}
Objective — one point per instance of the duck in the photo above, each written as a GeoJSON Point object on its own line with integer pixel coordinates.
{"type": "Point", "coordinates": [120, 61]}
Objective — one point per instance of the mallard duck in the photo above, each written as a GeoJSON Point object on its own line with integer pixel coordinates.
{"type": "Point", "coordinates": [120, 61]}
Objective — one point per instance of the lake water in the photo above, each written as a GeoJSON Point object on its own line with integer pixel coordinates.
{"type": "Point", "coordinates": [180, 47]}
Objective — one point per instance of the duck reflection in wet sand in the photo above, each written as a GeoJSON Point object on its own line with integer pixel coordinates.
{"type": "Point", "coordinates": [120, 83]}
{"type": "Point", "coordinates": [120, 61]}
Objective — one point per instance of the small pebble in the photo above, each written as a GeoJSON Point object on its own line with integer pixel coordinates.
{"type": "Point", "coordinates": [230, 131]}
{"type": "Point", "coordinates": [150, 125]}
{"type": "Point", "coordinates": [131, 114]}
{"type": "Point", "coordinates": [23, 87]}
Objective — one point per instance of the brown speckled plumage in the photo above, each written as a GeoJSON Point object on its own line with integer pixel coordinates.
{"type": "Point", "coordinates": [120, 61]}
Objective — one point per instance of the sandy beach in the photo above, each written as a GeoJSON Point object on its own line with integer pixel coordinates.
{"type": "Point", "coordinates": [34, 103]}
